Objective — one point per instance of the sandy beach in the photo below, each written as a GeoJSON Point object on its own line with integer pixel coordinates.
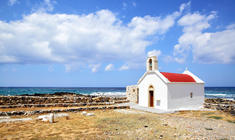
{"type": "Point", "coordinates": [125, 124]}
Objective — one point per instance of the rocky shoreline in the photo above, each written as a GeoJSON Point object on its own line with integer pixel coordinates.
{"type": "Point", "coordinates": [60, 99]}
{"type": "Point", "coordinates": [57, 102]}
{"type": "Point", "coordinates": [220, 104]}
{"type": "Point", "coordinates": [67, 99]}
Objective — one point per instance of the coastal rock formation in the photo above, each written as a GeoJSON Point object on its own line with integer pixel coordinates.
{"type": "Point", "coordinates": [221, 104]}
{"type": "Point", "coordinates": [219, 101]}
{"type": "Point", "coordinates": [59, 99]}
{"type": "Point", "coordinates": [62, 99]}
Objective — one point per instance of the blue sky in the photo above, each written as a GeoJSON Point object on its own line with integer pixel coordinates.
{"type": "Point", "coordinates": [104, 43]}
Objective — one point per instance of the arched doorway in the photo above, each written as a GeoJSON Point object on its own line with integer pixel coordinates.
{"type": "Point", "coordinates": [151, 96]}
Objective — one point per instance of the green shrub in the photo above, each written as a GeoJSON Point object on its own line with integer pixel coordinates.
{"type": "Point", "coordinates": [230, 121]}
{"type": "Point", "coordinates": [215, 117]}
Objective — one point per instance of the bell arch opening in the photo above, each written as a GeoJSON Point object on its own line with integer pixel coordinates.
{"type": "Point", "coordinates": [150, 64]}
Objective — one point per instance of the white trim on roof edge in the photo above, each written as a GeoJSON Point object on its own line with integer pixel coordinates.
{"type": "Point", "coordinates": [197, 79]}
{"type": "Point", "coordinates": [165, 80]}
{"type": "Point", "coordinates": [162, 77]}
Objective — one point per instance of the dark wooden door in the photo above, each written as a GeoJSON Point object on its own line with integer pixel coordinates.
{"type": "Point", "coordinates": [151, 98]}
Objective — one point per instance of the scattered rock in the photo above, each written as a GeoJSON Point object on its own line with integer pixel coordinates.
{"type": "Point", "coordinates": [27, 113]}
{"type": "Point", "coordinates": [161, 136]}
{"type": "Point", "coordinates": [43, 117]}
{"type": "Point", "coordinates": [90, 114]}
{"type": "Point", "coordinates": [87, 114]}
{"type": "Point", "coordinates": [4, 117]}
{"type": "Point", "coordinates": [61, 115]}
{"type": "Point", "coordinates": [165, 124]}
{"type": "Point", "coordinates": [51, 118]}
{"type": "Point", "coordinates": [14, 120]}
{"type": "Point", "coordinates": [84, 113]}
{"type": "Point", "coordinates": [208, 128]}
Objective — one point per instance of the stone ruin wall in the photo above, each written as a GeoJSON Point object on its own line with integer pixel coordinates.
{"type": "Point", "coordinates": [132, 93]}
{"type": "Point", "coordinates": [224, 105]}
{"type": "Point", "coordinates": [36, 101]}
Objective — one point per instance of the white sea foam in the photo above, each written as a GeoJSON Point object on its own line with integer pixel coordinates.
{"type": "Point", "coordinates": [217, 95]}
{"type": "Point", "coordinates": [220, 95]}
{"type": "Point", "coordinates": [116, 94]}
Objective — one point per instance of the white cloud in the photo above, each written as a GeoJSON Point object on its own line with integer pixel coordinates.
{"type": "Point", "coordinates": [231, 26]}
{"type": "Point", "coordinates": [45, 6]}
{"type": "Point", "coordinates": [206, 47]}
{"type": "Point", "coordinates": [218, 47]}
{"type": "Point", "coordinates": [185, 6]}
{"type": "Point", "coordinates": [12, 2]}
{"type": "Point", "coordinates": [147, 25]}
{"type": "Point", "coordinates": [123, 67]}
{"type": "Point", "coordinates": [49, 4]}
{"type": "Point", "coordinates": [94, 67]}
{"type": "Point", "coordinates": [85, 39]}
{"type": "Point", "coordinates": [109, 67]}
{"type": "Point", "coordinates": [154, 53]}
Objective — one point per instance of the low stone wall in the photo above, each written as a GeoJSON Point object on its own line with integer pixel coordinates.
{"type": "Point", "coordinates": [37, 100]}
{"type": "Point", "coordinates": [11, 113]}
{"type": "Point", "coordinates": [132, 93]}
{"type": "Point", "coordinates": [221, 104]}
{"type": "Point", "coordinates": [63, 104]}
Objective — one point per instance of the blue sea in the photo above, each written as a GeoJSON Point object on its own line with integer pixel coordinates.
{"type": "Point", "coordinates": [210, 92]}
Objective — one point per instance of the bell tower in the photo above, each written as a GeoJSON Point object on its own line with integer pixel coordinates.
{"type": "Point", "coordinates": [152, 64]}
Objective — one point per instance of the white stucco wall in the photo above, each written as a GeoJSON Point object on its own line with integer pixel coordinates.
{"type": "Point", "coordinates": [179, 96]}
{"type": "Point", "coordinates": [160, 91]}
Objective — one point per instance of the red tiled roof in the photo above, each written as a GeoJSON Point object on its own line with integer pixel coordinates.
{"type": "Point", "coordinates": [176, 77]}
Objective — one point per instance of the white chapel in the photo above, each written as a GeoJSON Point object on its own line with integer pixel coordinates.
{"type": "Point", "coordinates": [167, 91]}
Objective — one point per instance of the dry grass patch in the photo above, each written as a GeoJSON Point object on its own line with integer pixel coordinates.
{"type": "Point", "coordinates": [107, 124]}
{"type": "Point", "coordinates": [219, 115]}
{"type": "Point", "coordinates": [78, 126]}
{"type": "Point", "coordinates": [104, 125]}
{"type": "Point", "coordinates": [136, 126]}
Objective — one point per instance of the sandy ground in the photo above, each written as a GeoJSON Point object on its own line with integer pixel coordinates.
{"type": "Point", "coordinates": [126, 124]}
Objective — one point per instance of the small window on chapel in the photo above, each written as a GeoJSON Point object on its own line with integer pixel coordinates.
{"type": "Point", "coordinates": [158, 102]}
{"type": "Point", "coordinates": [191, 95]}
